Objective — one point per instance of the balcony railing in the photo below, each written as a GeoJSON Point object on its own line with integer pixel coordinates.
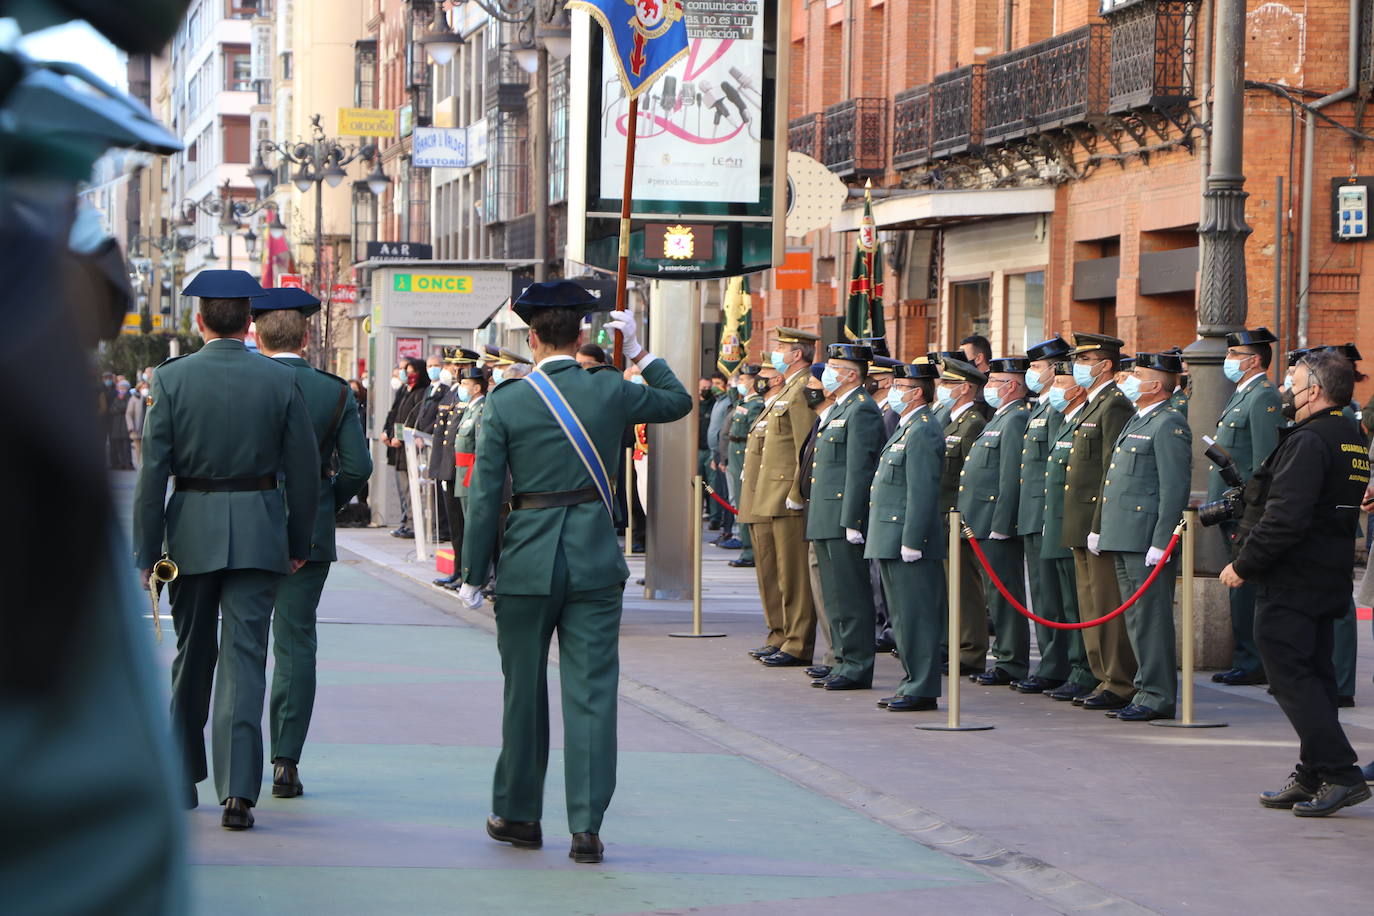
{"type": "Point", "coordinates": [1009, 85]}
{"type": "Point", "coordinates": [956, 110]}
{"type": "Point", "coordinates": [1046, 85]}
{"type": "Point", "coordinates": [804, 134]}
{"type": "Point", "coordinates": [854, 138]}
{"type": "Point", "coordinates": [1154, 53]}
{"type": "Point", "coordinates": [911, 128]}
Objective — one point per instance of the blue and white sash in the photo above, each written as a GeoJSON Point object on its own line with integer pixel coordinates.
{"type": "Point", "coordinates": [577, 436]}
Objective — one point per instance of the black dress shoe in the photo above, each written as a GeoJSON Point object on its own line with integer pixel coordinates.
{"type": "Point", "coordinates": [1344, 702]}
{"type": "Point", "coordinates": [783, 660]}
{"type": "Point", "coordinates": [764, 651]}
{"type": "Point", "coordinates": [520, 834]}
{"type": "Point", "coordinates": [1331, 798]}
{"type": "Point", "coordinates": [1104, 701]}
{"type": "Point", "coordinates": [1034, 684]}
{"type": "Point", "coordinates": [286, 782]}
{"type": "Point", "coordinates": [840, 682]}
{"type": "Point", "coordinates": [1068, 691]}
{"type": "Point", "coordinates": [238, 814]}
{"type": "Point", "coordinates": [1136, 712]}
{"type": "Point", "coordinates": [1239, 678]}
{"type": "Point", "coordinates": [586, 849]}
{"type": "Point", "coordinates": [742, 563]}
{"type": "Point", "coordinates": [403, 533]}
{"type": "Point", "coordinates": [884, 645]}
{"type": "Point", "coordinates": [446, 581]}
{"type": "Point", "coordinates": [882, 704]}
{"type": "Point", "coordinates": [911, 704]}
{"type": "Point", "coordinates": [822, 681]}
{"type": "Point", "coordinates": [1221, 676]}
{"type": "Point", "coordinates": [818, 672]}
{"type": "Point", "coordinates": [1293, 791]}
{"type": "Point", "coordinates": [997, 677]}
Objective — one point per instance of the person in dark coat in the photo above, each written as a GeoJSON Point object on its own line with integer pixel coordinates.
{"type": "Point", "coordinates": [405, 408]}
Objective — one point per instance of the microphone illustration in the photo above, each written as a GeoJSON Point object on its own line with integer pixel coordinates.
{"type": "Point", "coordinates": [735, 99]}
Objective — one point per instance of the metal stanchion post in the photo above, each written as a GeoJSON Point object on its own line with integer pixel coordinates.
{"type": "Point", "coordinates": [1189, 546]}
{"type": "Point", "coordinates": [629, 501]}
{"type": "Point", "coordinates": [696, 569]}
{"type": "Point", "coordinates": [954, 680]}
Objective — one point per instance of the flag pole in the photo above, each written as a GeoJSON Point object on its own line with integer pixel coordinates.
{"type": "Point", "coordinates": [868, 262]}
{"type": "Point", "coordinates": [622, 274]}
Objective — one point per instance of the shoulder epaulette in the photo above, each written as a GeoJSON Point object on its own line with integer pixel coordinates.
{"type": "Point", "coordinates": [505, 382]}
{"type": "Point", "coordinates": [333, 376]}
{"type": "Point", "coordinates": [172, 359]}
{"type": "Point", "coordinates": [600, 367]}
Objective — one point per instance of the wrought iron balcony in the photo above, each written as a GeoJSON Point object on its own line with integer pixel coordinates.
{"type": "Point", "coordinates": [956, 110]}
{"type": "Point", "coordinates": [1046, 85]}
{"type": "Point", "coordinates": [854, 138]}
{"type": "Point", "coordinates": [1154, 52]}
{"type": "Point", "coordinates": [804, 134]}
{"type": "Point", "coordinates": [1009, 85]}
{"type": "Point", "coordinates": [911, 128]}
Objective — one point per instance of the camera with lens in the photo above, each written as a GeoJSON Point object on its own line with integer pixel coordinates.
{"type": "Point", "coordinates": [1230, 506]}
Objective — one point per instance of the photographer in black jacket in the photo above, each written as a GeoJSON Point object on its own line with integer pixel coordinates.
{"type": "Point", "coordinates": [1300, 508]}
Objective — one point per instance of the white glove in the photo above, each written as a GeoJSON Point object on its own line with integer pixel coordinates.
{"type": "Point", "coordinates": [1153, 556]}
{"type": "Point", "coordinates": [1093, 540]}
{"type": "Point", "coordinates": [794, 506]}
{"type": "Point", "coordinates": [470, 595]}
{"type": "Point", "coordinates": [624, 322]}
{"type": "Point", "coordinates": [853, 536]}
{"type": "Point", "coordinates": [909, 555]}
{"type": "Point", "coordinates": [998, 536]}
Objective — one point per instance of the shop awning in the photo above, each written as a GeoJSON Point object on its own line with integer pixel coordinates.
{"type": "Point", "coordinates": [934, 208]}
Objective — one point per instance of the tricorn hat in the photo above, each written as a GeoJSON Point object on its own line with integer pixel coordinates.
{"type": "Point", "coordinates": [877, 344]}
{"type": "Point", "coordinates": [279, 298]}
{"type": "Point", "coordinates": [1054, 348]}
{"type": "Point", "coordinates": [224, 284]}
{"type": "Point", "coordinates": [1244, 338]}
{"type": "Point", "coordinates": [916, 370]}
{"type": "Point", "coordinates": [857, 353]}
{"type": "Point", "coordinates": [1013, 364]}
{"type": "Point", "coordinates": [1160, 362]}
{"type": "Point", "coordinates": [555, 294]}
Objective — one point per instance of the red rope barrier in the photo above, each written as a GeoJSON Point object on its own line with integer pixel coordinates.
{"type": "Point", "coordinates": [716, 497]}
{"type": "Point", "coordinates": [1083, 624]}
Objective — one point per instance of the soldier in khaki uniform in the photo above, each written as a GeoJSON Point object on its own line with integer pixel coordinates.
{"type": "Point", "coordinates": [767, 384]}
{"type": "Point", "coordinates": [1095, 358]}
{"type": "Point", "coordinates": [776, 502]}
{"type": "Point", "coordinates": [957, 394]}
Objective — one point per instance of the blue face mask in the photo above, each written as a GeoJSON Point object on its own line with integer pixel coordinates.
{"type": "Point", "coordinates": [776, 358]}
{"type": "Point", "coordinates": [830, 379]}
{"type": "Point", "coordinates": [895, 400]}
{"type": "Point", "coordinates": [993, 399]}
{"type": "Point", "coordinates": [1288, 383]}
{"type": "Point", "coordinates": [743, 389]}
{"type": "Point", "coordinates": [1130, 387]}
{"type": "Point", "coordinates": [1083, 375]}
{"type": "Point", "coordinates": [1058, 400]}
{"type": "Point", "coordinates": [464, 394]}
{"type": "Point", "coordinates": [943, 396]}
{"type": "Point", "coordinates": [1034, 383]}
{"type": "Point", "coordinates": [434, 373]}
{"type": "Point", "coordinates": [497, 376]}
{"type": "Point", "coordinates": [1232, 370]}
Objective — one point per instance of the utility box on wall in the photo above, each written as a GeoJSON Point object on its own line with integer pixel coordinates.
{"type": "Point", "coordinates": [1350, 208]}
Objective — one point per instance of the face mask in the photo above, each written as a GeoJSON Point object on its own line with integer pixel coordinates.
{"type": "Point", "coordinates": [638, 380]}
{"type": "Point", "coordinates": [147, 376]}
{"type": "Point", "coordinates": [813, 397]}
{"type": "Point", "coordinates": [743, 389]}
{"type": "Point", "coordinates": [779, 363]}
{"type": "Point", "coordinates": [871, 385]}
{"type": "Point", "coordinates": [1289, 405]}
{"type": "Point", "coordinates": [943, 396]}
{"type": "Point", "coordinates": [830, 379]}
{"type": "Point", "coordinates": [445, 377]}
{"type": "Point", "coordinates": [1083, 375]}
{"type": "Point", "coordinates": [761, 385]}
{"type": "Point", "coordinates": [1288, 383]}
{"type": "Point", "coordinates": [464, 394]}
{"type": "Point", "coordinates": [1130, 387]}
{"type": "Point", "coordinates": [1232, 370]}
{"type": "Point", "coordinates": [1058, 400]}
{"type": "Point", "coordinates": [1033, 382]}
{"type": "Point", "coordinates": [395, 383]}
{"type": "Point", "coordinates": [497, 376]}
{"type": "Point", "coordinates": [434, 373]}
{"type": "Point", "coordinates": [895, 400]}
{"type": "Point", "coordinates": [993, 399]}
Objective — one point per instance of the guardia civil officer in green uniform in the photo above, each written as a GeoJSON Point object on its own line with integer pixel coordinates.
{"type": "Point", "coordinates": [472, 392]}
{"type": "Point", "coordinates": [1047, 601]}
{"type": "Point", "coordinates": [940, 410]}
{"type": "Point", "coordinates": [1248, 429]}
{"type": "Point", "coordinates": [848, 439]}
{"type": "Point", "coordinates": [906, 535]}
{"type": "Point", "coordinates": [1143, 498]}
{"type": "Point", "coordinates": [224, 425]}
{"type": "Point", "coordinates": [989, 500]}
{"type": "Point", "coordinates": [441, 461]}
{"type": "Point", "coordinates": [1095, 361]}
{"type": "Point", "coordinates": [957, 393]}
{"type": "Point", "coordinates": [561, 568]}
{"type": "Point", "coordinates": [1067, 399]}
{"type": "Point", "coordinates": [280, 321]}
{"type": "Point", "coordinates": [742, 419]}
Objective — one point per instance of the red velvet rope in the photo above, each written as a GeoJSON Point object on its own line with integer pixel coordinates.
{"type": "Point", "coordinates": [716, 497]}
{"type": "Point", "coordinates": [1083, 624]}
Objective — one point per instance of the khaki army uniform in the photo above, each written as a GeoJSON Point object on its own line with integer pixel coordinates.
{"type": "Point", "coordinates": [770, 592]}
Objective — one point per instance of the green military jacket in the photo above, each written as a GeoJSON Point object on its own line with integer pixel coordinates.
{"type": "Point", "coordinates": [465, 442]}
{"type": "Point", "coordinates": [1248, 429]}
{"type": "Point", "coordinates": [846, 452]}
{"type": "Point", "coordinates": [1056, 470]}
{"type": "Point", "coordinates": [1147, 483]}
{"type": "Point", "coordinates": [1094, 436]}
{"type": "Point", "coordinates": [521, 436]}
{"type": "Point", "coordinates": [223, 412]}
{"type": "Point", "coordinates": [990, 480]}
{"type": "Point", "coordinates": [904, 498]}
{"type": "Point", "coordinates": [742, 417]}
{"type": "Point", "coordinates": [1041, 431]}
{"type": "Point", "coordinates": [1179, 401]}
{"type": "Point", "coordinates": [786, 423]}
{"type": "Point", "coordinates": [344, 438]}
{"type": "Point", "coordinates": [960, 434]}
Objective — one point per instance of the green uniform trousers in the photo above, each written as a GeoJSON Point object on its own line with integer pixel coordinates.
{"type": "Point", "coordinates": [1245, 655]}
{"type": "Point", "coordinates": [848, 595]}
{"type": "Point", "coordinates": [735, 472]}
{"type": "Point", "coordinates": [244, 598]}
{"type": "Point", "coordinates": [813, 571]}
{"type": "Point", "coordinates": [1080, 672]}
{"type": "Point", "coordinates": [780, 555]}
{"type": "Point", "coordinates": [1107, 644]}
{"type": "Point", "coordinates": [916, 602]}
{"type": "Point", "coordinates": [973, 608]}
{"type": "Point", "coordinates": [293, 648]}
{"type": "Point", "coordinates": [1344, 641]}
{"type": "Point", "coordinates": [1011, 645]}
{"type": "Point", "coordinates": [588, 627]}
{"type": "Point", "coordinates": [1047, 600]}
{"type": "Point", "coordinates": [1150, 627]}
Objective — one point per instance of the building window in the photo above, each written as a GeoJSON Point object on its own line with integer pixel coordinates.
{"type": "Point", "coordinates": [241, 9]}
{"type": "Point", "coordinates": [1026, 309]}
{"type": "Point", "coordinates": [558, 133]}
{"type": "Point", "coordinates": [238, 68]}
{"type": "Point", "coordinates": [365, 73]}
{"type": "Point", "coordinates": [237, 138]}
{"type": "Point", "coordinates": [364, 219]}
{"type": "Point", "coordinates": [286, 65]}
{"type": "Point", "coordinates": [970, 309]}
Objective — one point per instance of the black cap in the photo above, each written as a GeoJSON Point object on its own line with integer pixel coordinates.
{"type": "Point", "coordinates": [916, 370]}
{"type": "Point", "coordinates": [1086, 343]}
{"type": "Point", "coordinates": [857, 353]}
{"type": "Point", "coordinates": [877, 344]}
{"type": "Point", "coordinates": [281, 298]}
{"type": "Point", "coordinates": [748, 368]}
{"type": "Point", "coordinates": [1054, 348]}
{"type": "Point", "coordinates": [1351, 351]}
{"type": "Point", "coordinates": [472, 372]}
{"type": "Point", "coordinates": [1160, 362]}
{"type": "Point", "coordinates": [956, 370]}
{"type": "Point", "coordinates": [1244, 338]}
{"type": "Point", "coordinates": [1176, 350]}
{"type": "Point", "coordinates": [1014, 364]}
{"type": "Point", "coordinates": [555, 294]}
{"type": "Point", "coordinates": [1064, 368]}
{"type": "Point", "coordinates": [224, 284]}
{"type": "Point", "coordinates": [936, 356]}
{"type": "Point", "coordinates": [1126, 364]}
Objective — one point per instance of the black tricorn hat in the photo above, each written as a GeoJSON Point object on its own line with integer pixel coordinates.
{"type": "Point", "coordinates": [1014, 364]}
{"type": "Point", "coordinates": [224, 284]}
{"type": "Point", "coordinates": [857, 353]}
{"type": "Point", "coordinates": [1054, 348]}
{"type": "Point", "coordinates": [472, 372]}
{"type": "Point", "coordinates": [748, 368]}
{"type": "Point", "coordinates": [280, 298]}
{"type": "Point", "coordinates": [1063, 368]}
{"type": "Point", "coordinates": [1126, 363]}
{"type": "Point", "coordinates": [555, 294]}
{"type": "Point", "coordinates": [1160, 362]}
{"type": "Point", "coordinates": [1244, 338]}
{"type": "Point", "coordinates": [916, 370]}
{"type": "Point", "coordinates": [936, 356]}
{"type": "Point", "coordinates": [877, 344]}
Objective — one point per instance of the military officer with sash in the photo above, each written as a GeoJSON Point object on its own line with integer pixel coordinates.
{"type": "Point", "coordinates": [742, 419]}
{"type": "Point", "coordinates": [1095, 359]}
{"type": "Point", "coordinates": [848, 439]}
{"type": "Point", "coordinates": [561, 569]}
{"type": "Point", "coordinates": [441, 459]}
{"type": "Point", "coordinates": [957, 393]}
{"type": "Point", "coordinates": [1249, 431]}
{"type": "Point", "coordinates": [280, 321]}
{"type": "Point", "coordinates": [776, 504]}
{"type": "Point", "coordinates": [1143, 498]}
{"type": "Point", "coordinates": [1047, 600]}
{"type": "Point", "coordinates": [1067, 399]}
{"type": "Point", "coordinates": [224, 424]}
{"type": "Point", "coordinates": [906, 536]}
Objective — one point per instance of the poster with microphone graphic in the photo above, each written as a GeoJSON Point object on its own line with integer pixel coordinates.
{"type": "Point", "coordinates": [698, 128]}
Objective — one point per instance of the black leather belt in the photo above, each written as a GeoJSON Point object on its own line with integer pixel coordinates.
{"type": "Point", "coordinates": [554, 499]}
{"type": "Point", "coordinates": [739, 438]}
{"type": "Point", "coordinates": [226, 484]}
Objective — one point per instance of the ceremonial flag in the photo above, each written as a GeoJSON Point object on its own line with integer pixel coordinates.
{"type": "Point", "coordinates": [864, 315]}
{"type": "Point", "coordinates": [738, 328]}
{"type": "Point", "coordinates": [647, 36]}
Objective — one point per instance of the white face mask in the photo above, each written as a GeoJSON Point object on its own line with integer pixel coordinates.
{"type": "Point", "coordinates": [445, 377]}
{"type": "Point", "coordinates": [395, 383]}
